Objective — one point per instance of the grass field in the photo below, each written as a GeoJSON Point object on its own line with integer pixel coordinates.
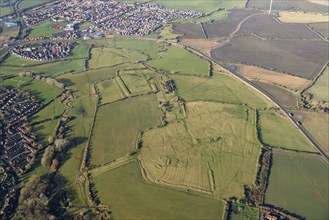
{"type": "Point", "coordinates": [299, 17]}
{"type": "Point", "coordinates": [118, 124]}
{"type": "Point", "coordinates": [221, 87]}
{"type": "Point", "coordinates": [167, 33]}
{"type": "Point", "coordinates": [42, 91]}
{"type": "Point", "coordinates": [257, 73]}
{"type": "Point", "coordinates": [102, 57]}
{"type": "Point", "coordinates": [320, 89]}
{"type": "Point", "coordinates": [109, 91]}
{"type": "Point", "coordinates": [283, 96]}
{"type": "Point", "coordinates": [43, 28]}
{"type": "Point", "coordinates": [129, 197]}
{"type": "Point", "coordinates": [15, 82]}
{"type": "Point", "coordinates": [178, 60]}
{"type": "Point", "coordinates": [299, 184]}
{"type": "Point", "coordinates": [136, 81]}
{"type": "Point", "coordinates": [43, 131]}
{"type": "Point", "coordinates": [214, 150]}
{"type": "Point", "coordinates": [55, 108]}
{"type": "Point", "coordinates": [273, 125]}
{"type": "Point", "coordinates": [291, 5]}
{"type": "Point", "coordinates": [31, 3]}
{"type": "Point", "coordinates": [317, 124]}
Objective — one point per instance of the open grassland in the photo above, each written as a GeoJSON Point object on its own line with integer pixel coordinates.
{"type": "Point", "coordinates": [52, 110]}
{"type": "Point", "coordinates": [180, 61]}
{"type": "Point", "coordinates": [18, 61]}
{"type": "Point", "coordinates": [243, 212]}
{"type": "Point", "coordinates": [320, 89]}
{"type": "Point", "coordinates": [136, 81]}
{"type": "Point", "coordinates": [42, 29]}
{"type": "Point", "coordinates": [109, 91]}
{"type": "Point", "coordinates": [220, 87]}
{"type": "Point", "coordinates": [215, 150]}
{"type": "Point", "coordinates": [300, 17]}
{"type": "Point", "coordinates": [283, 96]}
{"type": "Point", "coordinates": [226, 26]}
{"type": "Point", "coordinates": [83, 113]}
{"type": "Point", "coordinates": [44, 130]}
{"type": "Point", "coordinates": [317, 124]}
{"type": "Point", "coordinates": [278, 131]}
{"type": "Point", "coordinates": [117, 126]}
{"type": "Point", "coordinates": [15, 82]}
{"type": "Point", "coordinates": [8, 33]}
{"type": "Point", "coordinates": [266, 26]}
{"type": "Point", "coordinates": [4, 9]}
{"type": "Point", "coordinates": [257, 73]}
{"type": "Point", "coordinates": [47, 69]}
{"type": "Point", "coordinates": [300, 58]}
{"type": "Point", "coordinates": [299, 184]}
{"type": "Point", "coordinates": [292, 5]}
{"type": "Point", "coordinates": [42, 91]}
{"type": "Point", "coordinates": [129, 197]}
{"type": "Point", "coordinates": [213, 16]}
{"type": "Point", "coordinates": [321, 28]}
{"type": "Point", "coordinates": [167, 33]}
{"type": "Point", "coordinates": [102, 57]}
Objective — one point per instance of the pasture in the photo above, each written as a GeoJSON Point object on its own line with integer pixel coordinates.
{"type": "Point", "coordinates": [215, 150]}
{"type": "Point", "coordinates": [107, 56]}
{"type": "Point", "coordinates": [54, 109]}
{"type": "Point", "coordinates": [117, 126]}
{"type": "Point", "coordinates": [273, 125]}
{"type": "Point", "coordinates": [224, 27]}
{"type": "Point", "coordinates": [109, 91]}
{"type": "Point", "coordinates": [43, 131]}
{"type": "Point", "coordinates": [264, 75]}
{"type": "Point", "coordinates": [124, 190]}
{"type": "Point", "coordinates": [136, 81]}
{"type": "Point", "coordinates": [303, 18]}
{"type": "Point", "coordinates": [266, 26]}
{"type": "Point", "coordinates": [167, 33]}
{"type": "Point", "coordinates": [42, 91]}
{"type": "Point", "coordinates": [31, 3]}
{"type": "Point", "coordinates": [220, 87]}
{"type": "Point", "coordinates": [42, 29]}
{"type": "Point", "coordinates": [299, 58]}
{"type": "Point", "coordinates": [320, 89]}
{"type": "Point", "coordinates": [177, 60]}
{"type": "Point", "coordinates": [317, 124]}
{"type": "Point", "coordinates": [283, 96]}
{"type": "Point", "coordinates": [321, 28]}
{"type": "Point", "coordinates": [299, 183]}
{"type": "Point", "coordinates": [15, 82]}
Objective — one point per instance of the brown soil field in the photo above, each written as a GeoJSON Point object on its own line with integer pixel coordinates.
{"type": "Point", "coordinates": [257, 73]}
{"type": "Point", "coordinates": [203, 45]}
{"type": "Point", "coordinates": [225, 27]}
{"type": "Point", "coordinates": [302, 18]}
{"type": "Point", "coordinates": [321, 28]}
{"type": "Point", "coordinates": [283, 96]}
{"type": "Point", "coordinates": [266, 26]}
{"type": "Point", "coordinates": [296, 5]}
{"type": "Point", "coordinates": [296, 57]}
{"type": "Point", "coordinates": [188, 30]}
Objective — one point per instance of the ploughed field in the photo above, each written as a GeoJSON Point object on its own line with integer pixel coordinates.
{"type": "Point", "coordinates": [296, 57]}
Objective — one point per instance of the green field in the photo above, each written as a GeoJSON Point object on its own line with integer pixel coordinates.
{"type": "Point", "coordinates": [179, 60]}
{"type": "Point", "coordinates": [42, 91]}
{"type": "Point", "coordinates": [43, 131]}
{"type": "Point", "coordinates": [42, 29]}
{"type": "Point", "coordinates": [221, 87]}
{"type": "Point", "coordinates": [136, 81]}
{"type": "Point", "coordinates": [109, 91]}
{"type": "Point", "coordinates": [215, 150]}
{"type": "Point", "coordinates": [273, 125]}
{"type": "Point", "coordinates": [299, 183]}
{"type": "Point", "coordinates": [105, 57]}
{"type": "Point", "coordinates": [118, 124]}
{"type": "Point", "coordinates": [129, 197]}
{"type": "Point", "coordinates": [31, 3]}
{"type": "Point", "coordinates": [320, 89]}
{"type": "Point", "coordinates": [317, 124]}
{"type": "Point", "coordinates": [15, 82]}
{"type": "Point", "coordinates": [55, 108]}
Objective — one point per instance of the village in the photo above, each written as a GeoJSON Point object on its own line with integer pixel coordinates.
{"type": "Point", "coordinates": [17, 142]}
{"type": "Point", "coordinates": [44, 52]}
{"type": "Point", "coordinates": [110, 16]}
